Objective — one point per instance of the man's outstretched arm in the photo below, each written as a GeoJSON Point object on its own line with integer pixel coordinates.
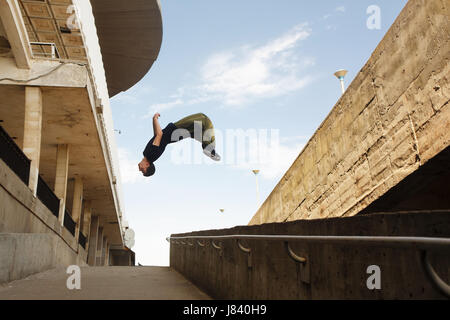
{"type": "Point", "coordinates": [157, 130]}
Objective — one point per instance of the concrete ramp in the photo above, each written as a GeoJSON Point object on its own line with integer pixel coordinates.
{"type": "Point", "coordinates": [105, 283]}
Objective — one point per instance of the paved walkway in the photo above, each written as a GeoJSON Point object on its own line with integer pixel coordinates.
{"type": "Point", "coordinates": [105, 283]}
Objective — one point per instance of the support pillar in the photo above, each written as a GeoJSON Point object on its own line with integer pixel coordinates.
{"type": "Point", "coordinates": [107, 255]}
{"type": "Point", "coordinates": [93, 239]}
{"type": "Point", "coordinates": [87, 220]}
{"type": "Point", "coordinates": [98, 254]}
{"type": "Point", "coordinates": [61, 178]}
{"type": "Point", "coordinates": [33, 132]}
{"type": "Point", "coordinates": [16, 32]}
{"type": "Point", "coordinates": [105, 244]}
{"type": "Point", "coordinates": [77, 205]}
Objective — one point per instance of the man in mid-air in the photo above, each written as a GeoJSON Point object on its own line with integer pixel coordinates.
{"type": "Point", "coordinates": [197, 126]}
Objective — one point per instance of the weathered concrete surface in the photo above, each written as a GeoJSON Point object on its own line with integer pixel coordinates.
{"type": "Point", "coordinates": [31, 237]}
{"type": "Point", "coordinates": [44, 73]}
{"type": "Point", "coordinates": [424, 189]}
{"type": "Point", "coordinates": [336, 271]}
{"type": "Point", "coordinates": [22, 255]}
{"type": "Point", "coordinates": [393, 118]}
{"type": "Point", "coordinates": [106, 283]}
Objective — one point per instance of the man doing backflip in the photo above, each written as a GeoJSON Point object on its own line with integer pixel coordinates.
{"type": "Point", "coordinates": [197, 126]}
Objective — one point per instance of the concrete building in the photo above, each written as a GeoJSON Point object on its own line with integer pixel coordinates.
{"type": "Point", "coordinates": [60, 191]}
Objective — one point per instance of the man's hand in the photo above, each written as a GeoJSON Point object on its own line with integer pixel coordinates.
{"type": "Point", "coordinates": [156, 116]}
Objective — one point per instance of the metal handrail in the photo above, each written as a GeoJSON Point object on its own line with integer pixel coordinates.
{"type": "Point", "coordinates": [201, 244]}
{"type": "Point", "coordinates": [243, 249]}
{"type": "Point", "coordinates": [443, 287]}
{"type": "Point", "coordinates": [14, 157]}
{"type": "Point", "coordinates": [293, 255]}
{"type": "Point", "coordinates": [216, 246]}
{"type": "Point", "coordinates": [427, 243]}
{"type": "Point", "coordinates": [47, 196]}
{"type": "Point", "coordinates": [54, 49]}
{"type": "Point", "coordinates": [419, 243]}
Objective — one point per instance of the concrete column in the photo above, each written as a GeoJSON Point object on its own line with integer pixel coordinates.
{"type": "Point", "coordinates": [61, 178]}
{"type": "Point", "coordinates": [87, 214]}
{"type": "Point", "coordinates": [108, 247]}
{"type": "Point", "coordinates": [77, 204]}
{"type": "Point", "coordinates": [16, 32]}
{"type": "Point", "coordinates": [32, 132]}
{"type": "Point", "coordinates": [105, 244]}
{"type": "Point", "coordinates": [98, 254]}
{"type": "Point", "coordinates": [93, 239]}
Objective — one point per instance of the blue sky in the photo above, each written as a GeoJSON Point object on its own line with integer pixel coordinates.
{"type": "Point", "coordinates": [249, 65]}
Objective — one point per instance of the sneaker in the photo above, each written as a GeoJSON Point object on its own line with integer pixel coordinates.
{"type": "Point", "coordinates": [212, 154]}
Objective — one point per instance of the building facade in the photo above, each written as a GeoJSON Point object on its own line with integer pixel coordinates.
{"type": "Point", "coordinates": [60, 191]}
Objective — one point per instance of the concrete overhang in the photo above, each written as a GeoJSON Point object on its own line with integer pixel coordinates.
{"type": "Point", "coordinates": [130, 36]}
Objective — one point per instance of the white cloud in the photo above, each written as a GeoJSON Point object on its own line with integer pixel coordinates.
{"type": "Point", "coordinates": [271, 70]}
{"type": "Point", "coordinates": [340, 9]}
{"type": "Point", "coordinates": [241, 76]}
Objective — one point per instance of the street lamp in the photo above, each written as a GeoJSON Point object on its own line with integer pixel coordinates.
{"type": "Point", "coordinates": [340, 74]}
{"type": "Point", "coordinates": [256, 172]}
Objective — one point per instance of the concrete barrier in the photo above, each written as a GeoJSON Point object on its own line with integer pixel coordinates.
{"type": "Point", "coordinates": [22, 255]}
{"type": "Point", "coordinates": [31, 237]}
{"type": "Point", "coordinates": [332, 271]}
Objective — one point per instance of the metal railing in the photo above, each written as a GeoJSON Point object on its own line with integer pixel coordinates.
{"type": "Point", "coordinates": [82, 239]}
{"type": "Point", "coordinates": [69, 224]}
{"type": "Point", "coordinates": [54, 53]}
{"type": "Point", "coordinates": [48, 198]}
{"type": "Point", "coordinates": [423, 244]}
{"type": "Point", "coordinates": [13, 156]}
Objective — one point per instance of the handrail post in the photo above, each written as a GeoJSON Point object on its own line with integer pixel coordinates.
{"type": "Point", "coordinates": [434, 278]}
{"type": "Point", "coordinates": [246, 250]}
{"type": "Point", "coordinates": [305, 273]}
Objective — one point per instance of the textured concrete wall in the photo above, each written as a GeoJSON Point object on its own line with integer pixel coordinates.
{"type": "Point", "coordinates": [393, 118]}
{"type": "Point", "coordinates": [332, 271]}
{"type": "Point", "coordinates": [31, 237]}
{"type": "Point", "coordinates": [29, 253]}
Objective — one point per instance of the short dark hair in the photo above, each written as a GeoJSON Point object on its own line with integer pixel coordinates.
{"type": "Point", "coordinates": [150, 170]}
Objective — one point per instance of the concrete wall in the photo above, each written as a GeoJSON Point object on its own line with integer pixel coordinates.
{"type": "Point", "coordinates": [394, 117]}
{"type": "Point", "coordinates": [31, 237]}
{"type": "Point", "coordinates": [332, 271]}
{"type": "Point", "coordinates": [29, 253]}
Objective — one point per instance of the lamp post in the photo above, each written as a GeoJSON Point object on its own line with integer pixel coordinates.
{"type": "Point", "coordinates": [340, 74]}
{"type": "Point", "coordinates": [256, 172]}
